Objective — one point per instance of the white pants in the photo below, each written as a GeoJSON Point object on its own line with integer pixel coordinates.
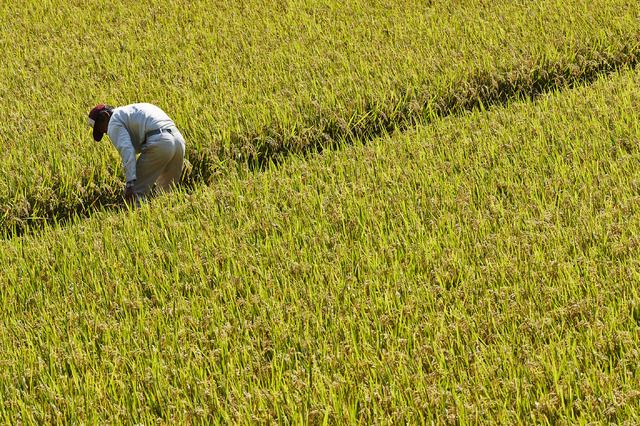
{"type": "Point", "coordinates": [160, 162]}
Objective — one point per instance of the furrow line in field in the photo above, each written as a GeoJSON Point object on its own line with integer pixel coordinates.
{"type": "Point", "coordinates": [259, 148]}
{"type": "Point", "coordinates": [276, 142]}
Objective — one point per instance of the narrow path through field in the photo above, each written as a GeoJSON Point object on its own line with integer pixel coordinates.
{"type": "Point", "coordinates": [272, 145]}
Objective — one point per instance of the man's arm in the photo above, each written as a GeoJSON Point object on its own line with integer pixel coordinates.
{"type": "Point", "coordinates": [122, 141]}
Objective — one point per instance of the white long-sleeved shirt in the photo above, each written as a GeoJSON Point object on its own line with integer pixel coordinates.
{"type": "Point", "coordinates": [127, 129]}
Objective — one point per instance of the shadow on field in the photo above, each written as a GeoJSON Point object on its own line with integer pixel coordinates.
{"type": "Point", "coordinates": [256, 149]}
{"type": "Point", "coordinates": [272, 144]}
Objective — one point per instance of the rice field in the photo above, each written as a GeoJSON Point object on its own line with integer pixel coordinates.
{"type": "Point", "coordinates": [252, 82]}
{"type": "Point", "coordinates": [416, 213]}
{"type": "Point", "coordinates": [482, 268]}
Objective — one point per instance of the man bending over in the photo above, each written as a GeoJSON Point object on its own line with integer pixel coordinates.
{"type": "Point", "coordinates": [146, 130]}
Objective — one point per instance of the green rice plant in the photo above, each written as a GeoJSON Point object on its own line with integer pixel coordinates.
{"type": "Point", "coordinates": [253, 82]}
{"type": "Point", "coordinates": [480, 269]}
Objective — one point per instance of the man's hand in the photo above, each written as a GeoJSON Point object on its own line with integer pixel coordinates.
{"type": "Point", "coordinates": [130, 191]}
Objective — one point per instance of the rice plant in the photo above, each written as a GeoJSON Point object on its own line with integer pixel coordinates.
{"type": "Point", "coordinates": [479, 269]}
{"type": "Point", "coordinates": [252, 82]}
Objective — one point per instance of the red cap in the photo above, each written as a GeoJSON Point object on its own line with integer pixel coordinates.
{"type": "Point", "coordinates": [93, 116]}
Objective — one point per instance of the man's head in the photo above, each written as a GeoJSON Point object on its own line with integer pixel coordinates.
{"type": "Point", "coordinates": [99, 119]}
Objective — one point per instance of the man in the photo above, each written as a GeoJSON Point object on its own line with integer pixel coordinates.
{"type": "Point", "coordinates": [146, 130]}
